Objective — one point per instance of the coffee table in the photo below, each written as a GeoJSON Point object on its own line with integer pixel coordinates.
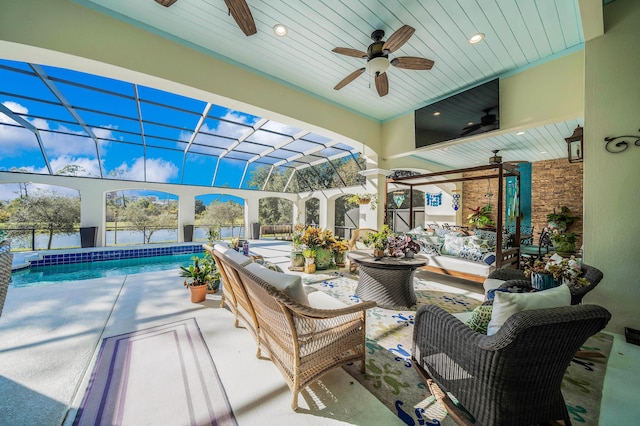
{"type": "Point", "coordinates": [388, 281]}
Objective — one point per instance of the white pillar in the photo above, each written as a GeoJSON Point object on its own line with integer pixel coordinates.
{"type": "Point", "coordinates": [251, 215]}
{"type": "Point", "coordinates": [186, 213]}
{"type": "Point", "coordinates": [323, 212]}
{"type": "Point", "coordinates": [93, 212]}
{"type": "Point", "coordinates": [298, 212]}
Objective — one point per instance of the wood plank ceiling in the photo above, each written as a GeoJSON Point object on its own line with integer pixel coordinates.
{"type": "Point", "coordinates": [518, 33]}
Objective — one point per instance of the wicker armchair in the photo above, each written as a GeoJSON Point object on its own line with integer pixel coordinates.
{"type": "Point", "coordinates": [513, 377]}
{"type": "Point", "coordinates": [515, 279]}
{"type": "Point", "coordinates": [304, 342]}
{"type": "Point", "coordinates": [6, 260]}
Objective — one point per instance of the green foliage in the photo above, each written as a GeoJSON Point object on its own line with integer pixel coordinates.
{"type": "Point", "coordinates": [563, 220]}
{"type": "Point", "coordinates": [481, 216]}
{"type": "Point", "coordinates": [308, 253]}
{"type": "Point", "coordinates": [379, 240]}
{"type": "Point", "coordinates": [148, 217]}
{"type": "Point", "coordinates": [312, 207]}
{"type": "Point", "coordinates": [48, 210]}
{"type": "Point", "coordinates": [365, 198]}
{"type": "Point", "coordinates": [222, 214]}
{"type": "Point", "coordinates": [202, 272]}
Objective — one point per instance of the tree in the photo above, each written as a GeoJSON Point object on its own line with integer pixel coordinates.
{"type": "Point", "coordinates": [223, 214]}
{"type": "Point", "coordinates": [275, 211]}
{"type": "Point", "coordinates": [51, 211]}
{"type": "Point", "coordinates": [312, 208]}
{"type": "Point", "coordinates": [200, 207]}
{"type": "Point", "coordinates": [148, 217]}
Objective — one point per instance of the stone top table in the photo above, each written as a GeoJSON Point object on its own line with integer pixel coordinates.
{"type": "Point", "coordinates": [388, 281]}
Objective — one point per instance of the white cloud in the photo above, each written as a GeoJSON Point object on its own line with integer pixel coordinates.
{"type": "Point", "coordinates": [90, 165]}
{"type": "Point", "coordinates": [158, 170]}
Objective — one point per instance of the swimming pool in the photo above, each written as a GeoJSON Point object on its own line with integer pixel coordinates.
{"type": "Point", "coordinates": [39, 275]}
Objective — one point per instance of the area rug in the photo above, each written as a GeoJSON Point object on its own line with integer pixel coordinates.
{"type": "Point", "coordinates": [160, 375]}
{"type": "Point", "coordinates": [391, 377]}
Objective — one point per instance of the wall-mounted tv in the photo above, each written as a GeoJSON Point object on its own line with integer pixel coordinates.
{"type": "Point", "coordinates": [474, 111]}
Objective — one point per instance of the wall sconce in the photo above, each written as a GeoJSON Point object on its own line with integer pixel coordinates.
{"type": "Point", "coordinates": [574, 145]}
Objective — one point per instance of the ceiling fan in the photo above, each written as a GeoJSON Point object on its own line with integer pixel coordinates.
{"type": "Point", "coordinates": [377, 56]}
{"type": "Point", "coordinates": [487, 122]}
{"type": "Point", "coordinates": [238, 9]}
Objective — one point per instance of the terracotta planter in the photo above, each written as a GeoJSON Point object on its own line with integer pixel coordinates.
{"type": "Point", "coordinates": [378, 253]}
{"type": "Point", "coordinates": [199, 293]}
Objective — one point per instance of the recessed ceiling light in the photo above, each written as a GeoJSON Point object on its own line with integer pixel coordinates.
{"type": "Point", "coordinates": [470, 123]}
{"type": "Point", "coordinates": [280, 30]}
{"type": "Point", "coordinates": [520, 133]}
{"type": "Point", "coordinates": [543, 152]}
{"type": "Point", "coordinates": [436, 113]}
{"type": "Point", "coordinates": [476, 38]}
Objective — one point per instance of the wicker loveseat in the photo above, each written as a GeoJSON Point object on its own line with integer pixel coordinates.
{"type": "Point", "coordinates": [512, 377]}
{"type": "Point", "coordinates": [305, 333]}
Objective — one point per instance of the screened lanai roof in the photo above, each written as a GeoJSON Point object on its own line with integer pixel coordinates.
{"type": "Point", "coordinates": [59, 121]}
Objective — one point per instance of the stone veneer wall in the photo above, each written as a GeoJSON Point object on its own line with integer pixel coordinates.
{"type": "Point", "coordinates": [554, 183]}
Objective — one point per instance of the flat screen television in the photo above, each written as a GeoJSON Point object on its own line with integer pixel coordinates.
{"type": "Point", "coordinates": [468, 113]}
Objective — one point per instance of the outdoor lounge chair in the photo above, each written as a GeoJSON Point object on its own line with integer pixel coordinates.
{"type": "Point", "coordinates": [6, 260]}
{"type": "Point", "coordinates": [512, 377]}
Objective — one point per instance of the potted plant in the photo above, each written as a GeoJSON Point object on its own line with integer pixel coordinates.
{"type": "Point", "coordinates": [481, 216]}
{"type": "Point", "coordinates": [340, 248]}
{"type": "Point", "coordinates": [309, 260]}
{"type": "Point", "coordinates": [558, 225]}
{"type": "Point", "coordinates": [363, 199]}
{"type": "Point", "coordinates": [297, 259]}
{"type": "Point", "coordinates": [403, 245]}
{"type": "Point", "coordinates": [322, 242]}
{"type": "Point", "coordinates": [379, 241]}
{"type": "Point", "coordinates": [203, 275]}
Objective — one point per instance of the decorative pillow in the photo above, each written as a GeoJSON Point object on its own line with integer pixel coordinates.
{"type": "Point", "coordinates": [417, 230]}
{"type": "Point", "coordinates": [269, 265]}
{"type": "Point", "coordinates": [480, 244]}
{"type": "Point", "coordinates": [452, 244]}
{"type": "Point", "coordinates": [430, 248]}
{"type": "Point", "coordinates": [507, 304]}
{"type": "Point", "coordinates": [475, 255]}
{"type": "Point", "coordinates": [291, 285]}
{"type": "Point", "coordinates": [480, 318]}
{"type": "Point", "coordinates": [490, 236]}
{"type": "Point", "coordinates": [489, 258]}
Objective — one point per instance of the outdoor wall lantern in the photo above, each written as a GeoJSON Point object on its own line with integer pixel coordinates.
{"type": "Point", "coordinates": [574, 145]}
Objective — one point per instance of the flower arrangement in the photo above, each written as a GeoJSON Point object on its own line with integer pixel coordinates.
{"type": "Point", "coordinates": [340, 246]}
{"type": "Point", "coordinates": [314, 238]}
{"type": "Point", "coordinates": [566, 269]}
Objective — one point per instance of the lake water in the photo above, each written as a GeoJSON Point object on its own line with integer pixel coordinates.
{"type": "Point", "coordinates": [124, 238]}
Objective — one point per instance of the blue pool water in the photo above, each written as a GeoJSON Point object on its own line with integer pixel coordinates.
{"type": "Point", "coordinates": [38, 275]}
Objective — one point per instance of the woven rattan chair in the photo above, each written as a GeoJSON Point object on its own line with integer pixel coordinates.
{"type": "Point", "coordinates": [6, 259]}
{"type": "Point", "coordinates": [513, 377]}
{"type": "Point", "coordinates": [235, 295]}
{"type": "Point", "coordinates": [357, 235]}
{"type": "Point", "coordinates": [304, 342]}
{"type": "Point", "coordinates": [515, 278]}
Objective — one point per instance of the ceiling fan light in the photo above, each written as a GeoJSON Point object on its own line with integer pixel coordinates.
{"type": "Point", "coordinates": [377, 65]}
{"type": "Point", "coordinates": [280, 30]}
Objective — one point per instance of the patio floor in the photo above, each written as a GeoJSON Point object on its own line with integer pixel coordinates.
{"type": "Point", "coordinates": [50, 336]}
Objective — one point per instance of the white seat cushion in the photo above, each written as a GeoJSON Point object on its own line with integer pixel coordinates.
{"type": "Point", "coordinates": [507, 304]}
{"type": "Point", "coordinates": [237, 257]}
{"type": "Point", "coordinates": [291, 285]}
{"type": "Point", "coordinates": [320, 300]}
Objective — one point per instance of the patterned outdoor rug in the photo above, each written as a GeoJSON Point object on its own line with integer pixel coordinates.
{"type": "Point", "coordinates": [392, 379]}
{"type": "Point", "coordinates": [160, 375]}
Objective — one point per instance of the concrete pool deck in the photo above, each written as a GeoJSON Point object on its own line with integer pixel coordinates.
{"type": "Point", "coordinates": [49, 337]}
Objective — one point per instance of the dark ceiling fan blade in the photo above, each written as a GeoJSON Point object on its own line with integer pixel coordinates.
{"type": "Point", "coordinates": [412, 63]}
{"type": "Point", "coordinates": [166, 3]}
{"type": "Point", "coordinates": [240, 12]}
{"type": "Point", "coordinates": [398, 38]}
{"type": "Point", "coordinates": [350, 52]}
{"type": "Point", "coordinates": [348, 79]}
{"type": "Point", "coordinates": [382, 84]}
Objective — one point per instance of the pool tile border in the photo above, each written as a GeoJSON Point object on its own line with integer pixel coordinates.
{"type": "Point", "coordinates": [97, 255]}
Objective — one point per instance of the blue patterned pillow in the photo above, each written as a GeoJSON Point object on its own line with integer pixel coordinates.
{"type": "Point", "coordinates": [477, 255]}
{"type": "Point", "coordinates": [452, 244]}
{"type": "Point", "coordinates": [429, 247]}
